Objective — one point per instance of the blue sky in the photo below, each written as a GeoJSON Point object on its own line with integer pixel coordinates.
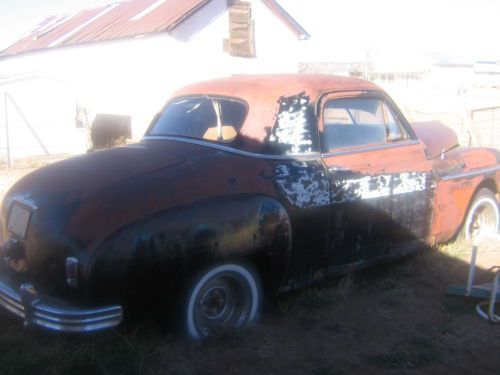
{"type": "Point", "coordinates": [458, 27]}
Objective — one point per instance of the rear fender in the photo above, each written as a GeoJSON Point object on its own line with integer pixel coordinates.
{"type": "Point", "coordinates": [162, 249]}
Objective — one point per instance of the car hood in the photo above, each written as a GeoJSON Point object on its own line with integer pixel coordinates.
{"type": "Point", "coordinates": [437, 137]}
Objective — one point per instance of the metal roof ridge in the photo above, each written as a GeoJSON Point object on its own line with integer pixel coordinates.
{"type": "Point", "coordinates": [287, 19]}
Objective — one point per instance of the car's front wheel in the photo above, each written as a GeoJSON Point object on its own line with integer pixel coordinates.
{"type": "Point", "coordinates": [483, 217]}
{"type": "Point", "coordinates": [227, 295]}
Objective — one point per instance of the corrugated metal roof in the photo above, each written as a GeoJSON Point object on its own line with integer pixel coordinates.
{"type": "Point", "coordinates": [104, 23]}
{"type": "Point", "coordinates": [121, 20]}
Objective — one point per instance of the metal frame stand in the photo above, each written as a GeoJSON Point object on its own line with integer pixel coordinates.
{"type": "Point", "coordinates": [490, 315]}
{"type": "Point", "coordinates": [487, 291]}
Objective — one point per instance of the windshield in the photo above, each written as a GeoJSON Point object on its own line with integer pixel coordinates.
{"type": "Point", "coordinates": [208, 118]}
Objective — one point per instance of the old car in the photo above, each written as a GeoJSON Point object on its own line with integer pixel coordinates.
{"type": "Point", "coordinates": [240, 186]}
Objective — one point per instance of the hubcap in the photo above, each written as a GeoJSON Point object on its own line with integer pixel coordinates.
{"type": "Point", "coordinates": [223, 301]}
{"type": "Point", "coordinates": [214, 302]}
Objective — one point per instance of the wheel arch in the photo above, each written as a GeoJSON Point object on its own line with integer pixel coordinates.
{"type": "Point", "coordinates": [487, 183]}
{"type": "Point", "coordinates": [179, 241]}
{"type": "Point", "coordinates": [271, 257]}
{"type": "Point", "coordinates": [452, 203]}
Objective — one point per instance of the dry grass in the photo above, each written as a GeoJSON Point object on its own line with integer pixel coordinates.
{"type": "Point", "coordinates": [392, 318]}
{"type": "Point", "coordinates": [488, 254]}
{"type": "Point", "coordinates": [20, 168]}
{"type": "Point", "coordinates": [317, 297]}
{"type": "Point", "coordinates": [32, 162]}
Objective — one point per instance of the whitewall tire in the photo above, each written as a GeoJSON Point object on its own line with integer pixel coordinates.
{"type": "Point", "coordinates": [483, 218]}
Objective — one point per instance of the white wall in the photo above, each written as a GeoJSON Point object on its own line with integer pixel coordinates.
{"type": "Point", "coordinates": [136, 76]}
{"type": "Point", "coordinates": [40, 118]}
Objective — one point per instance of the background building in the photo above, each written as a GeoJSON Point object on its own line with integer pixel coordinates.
{"type": "Point", "coordinates": [125, 59]}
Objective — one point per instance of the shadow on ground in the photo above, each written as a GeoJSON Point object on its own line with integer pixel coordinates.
{"type": "Point", "coordinates": [394, 318]}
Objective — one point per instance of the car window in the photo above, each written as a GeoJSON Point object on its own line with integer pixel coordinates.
{"type": "Point", "coordinates": [352, 122]}
{"type": "Point", "coordinates": [208, 118]}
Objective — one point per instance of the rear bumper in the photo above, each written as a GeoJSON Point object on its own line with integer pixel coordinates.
{"type": "Point", "coordinates": [54, 315]}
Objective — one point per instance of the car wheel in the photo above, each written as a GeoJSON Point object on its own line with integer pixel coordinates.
{"type": "Point", "coordinates": [483, 217]}
{"type": "Point", "coordinates": [227, 295]}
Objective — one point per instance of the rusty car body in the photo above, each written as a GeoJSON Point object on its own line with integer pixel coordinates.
{"type": "Point", "coordinates": [240, 185]}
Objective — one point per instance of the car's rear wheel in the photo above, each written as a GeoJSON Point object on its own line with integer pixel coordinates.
{"type": "Point", "coordinates": [483, 217]}
{"type": "Point", "coordinates": [224, 296]}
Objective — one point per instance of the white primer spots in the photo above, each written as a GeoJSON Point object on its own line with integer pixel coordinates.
{"type": "Point", "coordinates": [370, 187]}
{"type": "Point", "coordinates": [409, 182]}
{"type": "Point", "coordinates": [292, 128]}
{"type": "Point", "coordinates": [302, 186]}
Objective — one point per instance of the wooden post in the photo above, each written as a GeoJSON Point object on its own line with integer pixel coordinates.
{"type": "Point", "coordinates": [7, 140]}
{"type": "Point", "coordinates": [468, 123]}
{"type": "Point", "coordinates": [492, 133]}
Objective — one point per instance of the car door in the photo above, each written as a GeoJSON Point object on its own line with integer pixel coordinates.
{"type": "Point", "coordinates": [381, 183]}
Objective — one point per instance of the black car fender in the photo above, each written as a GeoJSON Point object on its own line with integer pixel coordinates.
{"type": "Point", "coordinates": [155, 253]}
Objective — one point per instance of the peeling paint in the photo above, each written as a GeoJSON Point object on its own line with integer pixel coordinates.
{"type": "Point", "coordinates": [369, 187]}
{"type": "Point", "coordinates": [292, 129]}
{"type": "Point", "coordinates": [302, 185]}
{"type": "Point", "coordinates": [408, 182]}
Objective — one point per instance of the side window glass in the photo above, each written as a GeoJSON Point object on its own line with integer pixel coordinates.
{"type": "Point", "coordinates": [208, 118]}
{"type": "Point", "coordinates": [354, 122]}
{"type": "Point", "coordinates": [395, 131]}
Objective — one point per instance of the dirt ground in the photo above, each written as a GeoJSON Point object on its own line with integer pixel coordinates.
{"type": "Point", "coordinates": [20, 168]}
{"type": "Point", "coordinates": [391, 319]}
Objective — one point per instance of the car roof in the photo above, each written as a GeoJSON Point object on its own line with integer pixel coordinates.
{"type": "Point", "coordinates": [262, 93]}
{"type": "Point", "coordinates": [250, 87]}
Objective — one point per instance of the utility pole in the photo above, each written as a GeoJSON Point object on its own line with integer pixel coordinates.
{"type": "Point", "coordinates": [7, 140]}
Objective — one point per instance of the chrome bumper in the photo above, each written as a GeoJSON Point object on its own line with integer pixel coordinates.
{"type": "Point", "coordinates": [28, 305]}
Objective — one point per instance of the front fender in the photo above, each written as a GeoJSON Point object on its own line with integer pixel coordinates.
{"type": "Point", "coordinates": [468, 170]}
{"type": "Point", "coordinates": [155, 253]}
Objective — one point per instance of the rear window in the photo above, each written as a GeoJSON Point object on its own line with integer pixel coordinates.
{"type": "Point", "coordinates": [208, 118]}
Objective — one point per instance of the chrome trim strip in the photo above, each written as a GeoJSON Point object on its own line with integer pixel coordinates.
{"type": "Point", "coordinates": [66, 320]}
{"type": "Point", "coordinates": [74, 313]}
{"type": "Point", "coordinates": [55, 318]}
{"type": "Point", "coordinates": [25, 202]}
{"type": "Point", "coordinates": [473, 173]}
{"type": "Point", "coordinates": [11, 300]}
{"type": "Point", "coordinates": [309, 156]}
{"type": "Point", "coordinates": [371, 148]}
{"type": "Point", "coordinates": [74, 329]}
